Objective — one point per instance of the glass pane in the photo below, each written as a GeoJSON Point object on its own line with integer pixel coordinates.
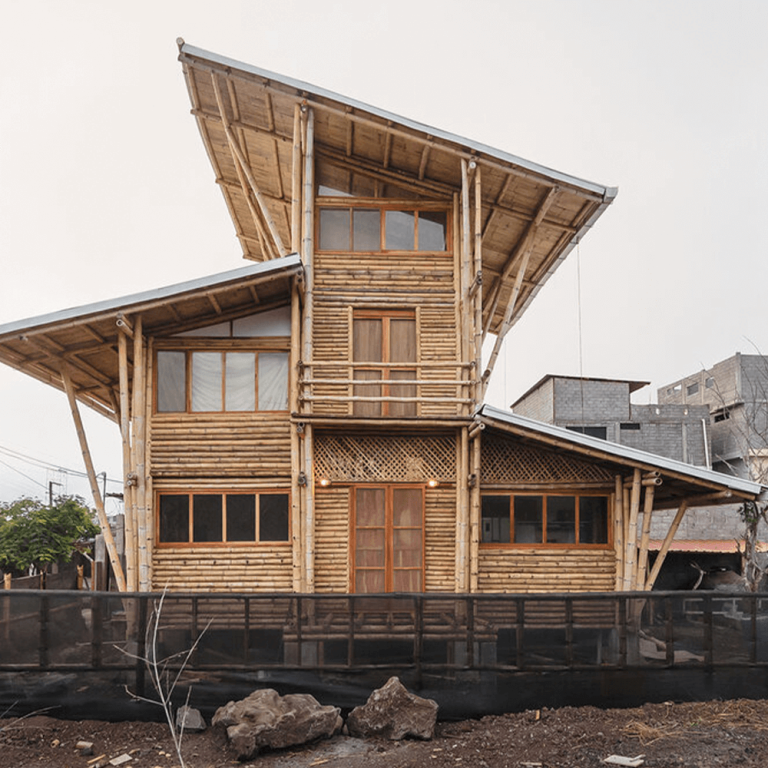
{"type": "Point", "coordinates": [369, 581]}
{"type": "Point", "coordinates": [432, 230]}
{"type": "Point", "coordinates": [593, 520]}
{"type": "Point", "coordinates": [402, 340]}
{"type": "Point", "coordinates": [400, 230]}
{"type": "Point", "coordinates": [240, 392]}
{"type": "Point", "coordinates": [495, 519]}
{"type": "Point", "coordinates": [206, 381]}
{"type": "Point", "coordinates": [406, 507]}
{"type": "Point", "coordinates": [528, 519]}
{"type": "Point", "coordinates": [407, 581]}
{"type": "Point", "coordinates": [369, 547]}
{"type": "Point", "coordinates": [241, 517]}
{"type": "Point", "coordinates": [366, 230]}
{"type": "Point", "coordinates": [334, 229]}
{"type": "Point", "coordinates": [367, 340]}
{"type": "Point", "coordinates": [561, 519]}
{"type": "Point", "coordinates": [369, 390]}
{"type": "Point", "coordinates": [174, 518]}
{"type": "Point", "coordinates": [369, 507]}
{"type": "Point", "coordinates": [273, 517]}
{"type": "Point", "coordinates": [273, 381]}
{"type": "Point", "coordinates": [406, 549]}
{"type": "Point", "coordinates": [171, 382]}
{"type": "Point", "coordinates": [206, 517]}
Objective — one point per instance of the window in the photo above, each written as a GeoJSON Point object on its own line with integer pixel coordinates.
{"type": "Point", "coordinates": [386, 338]}
{"type": "Point", "coordinates": [709, 382]}
{"type": "Point", "coordinates": [200, 381]}
{"type": "Point", "coordinates": [544, 519]}
{"type": "Point", "coordinates": [365, 229]}
{"type": "Point", "coordinates": [692, 389]}
{"type": "Point", "coordinates": [630, 426]}
{"type": "Point", "coordinates": [601, 432]}
{"type": "Point", "coordinates": [205, 518]}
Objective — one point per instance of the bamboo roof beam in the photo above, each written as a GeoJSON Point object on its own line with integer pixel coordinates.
{"type": "Point", "coordinates": [240, 158]}
{"type": "Point", "coordinates": [109, 540]}
{"type": "Point", "coordinates": [211, 298]}
{"type": "Point", "coordinates": [387, 147]}
{"type": "Point", "coordinates": [424, 160]}
{"type": "Point", "coordinates": [350, 142]}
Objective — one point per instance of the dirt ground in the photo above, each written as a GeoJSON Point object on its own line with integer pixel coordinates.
{"type": "Point", "coordinates": [693, 735]}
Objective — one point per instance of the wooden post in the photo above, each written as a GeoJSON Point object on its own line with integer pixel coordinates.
{"type": "Point", "coordinates": [634, 509]}
{"type": "Point", "coordinates": [109, 540]}
{"type": "Point", "coordinates": [666, 544]}
{"type": "Point", "coordinates": [125, 423]}
{"type": "Point", "coordinates": [7, 578]}
{"type": "Point", "coordinates": [642, 562]}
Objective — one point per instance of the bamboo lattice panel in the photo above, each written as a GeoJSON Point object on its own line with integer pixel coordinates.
{"type": "Point", "coordinates": [507, 462]}
{"type": "Point", "coordinates": [367, 459]}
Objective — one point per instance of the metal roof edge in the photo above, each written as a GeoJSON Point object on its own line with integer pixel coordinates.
{"type": "Point", "coordinates": [607, 193]}
{"type": "Point", "coordinates": [620, 451]}
{"type": "Point", "coordinates": [252, 270]}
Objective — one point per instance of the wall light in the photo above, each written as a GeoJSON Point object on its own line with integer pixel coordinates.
{"type": "Point", "coordinates": [432, 482]}
{"type": "Point", "coordinates": [324, 482]}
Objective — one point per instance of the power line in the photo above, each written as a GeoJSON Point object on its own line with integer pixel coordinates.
{"type": "Point", "coordinates": [42, 464]}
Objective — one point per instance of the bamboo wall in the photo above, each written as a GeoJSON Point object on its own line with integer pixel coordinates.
{"type": "Point", "coordinates": [258, 568]}
{"type": "Point", "coordinates": [440, 539]}
{"type": "Point", "coordinates": [546, 570]}
{"type": "Point", "coordinates": [332, 540]}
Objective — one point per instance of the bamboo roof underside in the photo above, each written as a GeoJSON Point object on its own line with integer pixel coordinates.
{"type": "Point", "coordinates": [84, 340]}
{"type": "Point", "coordinates": [679, 481]}
{"type": "Point", "coordinates": [527, 209]}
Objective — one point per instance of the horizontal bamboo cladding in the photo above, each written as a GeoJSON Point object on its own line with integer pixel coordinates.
{"type": "Point", "coordinates": [216, 445]}
{"type": "Point", "coordinates": [546, 570]}
{"type": "Point", "coordinates": [223, 569]}
{"type": "Point", "coordinates": [440, 539]}
{"type": "Point", "coordinates": [332, 540]}
{"type": "Point", "coordinates": [330, 334]}
{"type": "Point", "coordinates": [508, 462]}
{"type": "Point", "coordinates": [380, 458]}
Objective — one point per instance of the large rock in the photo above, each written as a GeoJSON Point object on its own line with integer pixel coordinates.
{"type": "Point", "coordinates": [267, 720]}
{"type": "Point", "coordinates": [393, 713]}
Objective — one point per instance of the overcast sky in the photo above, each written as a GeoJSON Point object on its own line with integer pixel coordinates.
{"type": "Point", "coordinates": [105, 187]}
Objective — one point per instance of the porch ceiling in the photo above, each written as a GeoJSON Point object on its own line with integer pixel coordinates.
{"type": "Point", "coordinates": [84, 340]}
{"type": "Point", "coordinates": [525, 207]}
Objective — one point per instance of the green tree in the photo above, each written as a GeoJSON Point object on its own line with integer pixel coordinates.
{"type": "Point", "coordinates": [33, 534]}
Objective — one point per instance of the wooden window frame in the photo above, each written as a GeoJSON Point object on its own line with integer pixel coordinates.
{"type": "Point", "coordinates": [222, 347]}
{"type": "Point", "coordinates": [190, 543]}
{"type": "Point", "coordinates": [385, 370]}
{"type": "Point", "coordinates": [404, 206]}
{"type": "Point", "coordinates": [510, 496]}
{"type": "Point", "coordinates": [389, 528]}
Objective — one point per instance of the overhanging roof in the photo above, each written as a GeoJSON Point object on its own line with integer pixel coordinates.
{"type": "Point", "coordinates": [84, 339]}
{"type": "Point", "coordinates": [524, 205]}
{"type": "Point", "coordinates": [680, 480]}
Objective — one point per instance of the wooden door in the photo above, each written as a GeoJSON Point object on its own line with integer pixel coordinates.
{"type": "Point", "coordinates": [388, 539]}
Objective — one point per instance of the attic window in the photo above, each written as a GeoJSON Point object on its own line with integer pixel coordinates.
{"type": "Point", "coordinates": [368, 229]}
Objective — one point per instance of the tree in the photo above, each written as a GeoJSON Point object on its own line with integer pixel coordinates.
{"type": "Point", "coordinates": [35, 535]}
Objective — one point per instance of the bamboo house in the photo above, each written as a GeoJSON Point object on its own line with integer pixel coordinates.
{"type": "Point", "coordinates": [314, 421]}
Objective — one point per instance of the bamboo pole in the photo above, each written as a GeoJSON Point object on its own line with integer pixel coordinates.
{"type": "Point", "coordinates": [308, 238]}
{"type": "Point", "coordinates": [240, 159]}
{"type": "Point", "coordinates": [464, 316]}
{"type": "Point", "coordinates": [666, 544]}
{"type": "Point", "coordinates": [309, 510]}
{"type": "Point", "coordinates": [475, 513]}
{"type": "Point", "coordinates": [642, 564]}
{"type": "Point", "coordinates": [138, 450]}
{"type": "Point", "coordinates": [109, 540]}
{"type": "Point", "coordinates": [479, 389]}
{"type": "Point", "coordinates": [618, 531]}
{"type": "Point", "coordinates": [125, 426]}
{"type": "Point", "coordinates": [462, 527]}
{"type": "Point", "coordinates": [296, 464]}
{"type": "Point", "coordinates": [634, 509]}
{"type": "Point", "coordinates": [296, 182]}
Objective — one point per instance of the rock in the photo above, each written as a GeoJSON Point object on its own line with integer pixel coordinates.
{"type": "Point", "coordinates": [189, 719]}
{"type": "Point", "coordinates": [267, 720]}
{"type": "Point", "coordinates": [393, 713]}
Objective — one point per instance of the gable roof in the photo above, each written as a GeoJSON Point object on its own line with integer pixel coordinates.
{"type": "Point", "coordinates": [247, 114]}
{"type": "Point", "coordinates": [679, 480]}
{"type": "Point", "coordinates": [84, 339]}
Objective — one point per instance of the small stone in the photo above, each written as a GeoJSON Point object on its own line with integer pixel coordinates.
{"type": "Point", "coordinates": [189, 719]}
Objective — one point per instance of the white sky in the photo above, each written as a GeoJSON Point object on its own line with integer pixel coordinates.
{"type": "Point", "coordinates": [105, 187]}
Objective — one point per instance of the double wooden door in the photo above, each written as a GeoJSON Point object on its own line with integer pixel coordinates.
{"type": "Point", "coordinates": [388, 539]}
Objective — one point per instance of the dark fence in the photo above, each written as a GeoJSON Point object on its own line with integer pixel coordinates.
{"type": "Point", "coordinates": [433, 641]}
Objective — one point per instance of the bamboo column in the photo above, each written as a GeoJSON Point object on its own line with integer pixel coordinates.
{"type": "Point", "coordinates": [479, 389]}
{"type": "Point", "coordinates": [634, 510]}
{"type": "Point", "coordinates": [309, 510]}
{"type": "Point", "coordinates": [475, 503]}
{"type": "Point", "coordinates": [466, 255]}
{"type": "Point", "coordinates": [462, 522]}
{"type": "Point", "coordinates": [618, 530]}
{"type": "Point", "coordinates": [125, 427]}
{"type": "Point", "coordinates": [109, 540]}
{"type": "Point", "coordinates": [296, 534]}
{"type": "Point", "coordinates": [642, 561]}
{"type": "Point", "coordinates": [296, 182]}
{"type": "Point", "coordinates": [138, 455]}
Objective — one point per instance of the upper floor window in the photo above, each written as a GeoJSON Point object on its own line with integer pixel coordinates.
{"type": "Point", "coordinates": [200, 381]}
{"type": "Point", "coordinates": [366, 229]}
{"type": "Point", "coordinates": [544, 519]}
